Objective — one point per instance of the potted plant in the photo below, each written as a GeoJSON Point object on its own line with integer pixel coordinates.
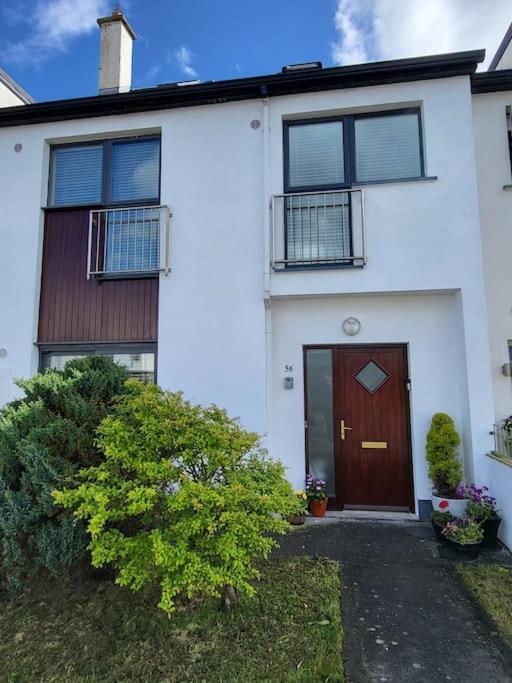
{"type": "Point", "coordinates": [316, 495]}
{"type": "Point", "coordinates": [299, 517]}
{"type": "Point", "coordinates": [439, 521]}
{"type": "Point", "coordinates": [464, 536]}
{"type": "Point", "coordinates": [482, 509]}
{"type": "Point", "coordinates": [445, 470]}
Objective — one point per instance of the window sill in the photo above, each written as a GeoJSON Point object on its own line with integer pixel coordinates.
{"type": "Point", "coordinates": [507, 187]}
{"type": "Point", "coordinates": [397, 181]}
{"type": "Point", "coordinates": [314, 266]}
{"type": "Point", "coordinates": [504, 459]}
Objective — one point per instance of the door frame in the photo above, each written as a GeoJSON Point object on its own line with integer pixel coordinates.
{"type": "Point", "coordinates": [336, 503]}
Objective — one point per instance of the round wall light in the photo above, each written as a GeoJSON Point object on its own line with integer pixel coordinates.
{"type": "Point", "coordinates": [3, 352]}
{"type": "Point", "coordinates": [351, 326]}
{"type": "Point", "coordinates": [255, 123]}
{"type": "Point", "coordinates": [18, 147]}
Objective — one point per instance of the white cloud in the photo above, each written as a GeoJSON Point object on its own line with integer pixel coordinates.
{"type": "Point", "coordinates": [389, 29]}
{"type": "Point", "coordinates": [184, 58]}
{"type": "Point", "coordinates": [353, 43]}
{"type": "Point", "coordinates": [52, 26]}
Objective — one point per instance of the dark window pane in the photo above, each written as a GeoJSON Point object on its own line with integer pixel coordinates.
{"type": "Point", "coordinates": [135, 170]}
{"type": "Point", "coordinates": [316, 154]}
{"type": "Point", "coordinates": [76, 175]}
{"type": "Point", "coordinates": [139, 366]}
{"type": "Point", "coordinates": [387, 147]}
{"type": "Point", "coordinates": [372, 377]}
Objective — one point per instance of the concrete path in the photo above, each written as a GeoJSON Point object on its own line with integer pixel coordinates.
{"type": "Point", "coordinates": [406, 615]}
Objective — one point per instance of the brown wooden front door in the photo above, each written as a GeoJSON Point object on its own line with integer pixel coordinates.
{"type": "Point", "coordinates": [357, 424]}
{"type": "Point", "coordinates": [371, 427]}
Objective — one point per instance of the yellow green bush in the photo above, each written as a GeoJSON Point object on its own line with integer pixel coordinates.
{"type": "Point", "coordinates": [184, 498]}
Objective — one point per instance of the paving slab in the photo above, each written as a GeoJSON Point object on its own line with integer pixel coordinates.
{"type": "Point", "coordinates": [407, 616]}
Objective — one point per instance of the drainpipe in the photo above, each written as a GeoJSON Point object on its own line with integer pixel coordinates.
{"type": "Point", "coordinates": [265, 117]}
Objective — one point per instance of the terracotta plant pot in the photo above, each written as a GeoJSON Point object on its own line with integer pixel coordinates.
{"type": "Point", "coordinates": [297, 520]}
{"type": "Point", "coordinates": [455, 506]}
{"type": "Point", "coordinates": [490, 529]}
{"type": "Point", "coordinates": [318, 507]}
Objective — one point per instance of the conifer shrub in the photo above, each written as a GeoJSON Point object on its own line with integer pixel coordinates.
{"type": "Point", "coordinates": [184, 498]}
{"type": "Point", "coordinates": [445, 470]}
{"type": "Point", "coordinates": [46, 438]}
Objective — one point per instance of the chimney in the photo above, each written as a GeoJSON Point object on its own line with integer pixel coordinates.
{"type": "Point", "coordinates": [116, 43]}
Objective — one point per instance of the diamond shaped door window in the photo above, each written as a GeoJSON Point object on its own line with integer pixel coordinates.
{"type": "Point", "coordinates": [372, 376]}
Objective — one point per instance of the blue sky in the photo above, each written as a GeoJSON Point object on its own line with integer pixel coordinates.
{"type": "Point", "coordinates": [51, 46]}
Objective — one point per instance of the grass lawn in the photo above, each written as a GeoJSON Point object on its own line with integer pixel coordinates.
{"type": "Point", "coordinates": [291, 631]}
{"type": "Point", "coordinates": [492, 586]}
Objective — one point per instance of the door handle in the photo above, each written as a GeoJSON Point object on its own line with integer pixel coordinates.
{"type": "Point", "coordinates": [343, 429]}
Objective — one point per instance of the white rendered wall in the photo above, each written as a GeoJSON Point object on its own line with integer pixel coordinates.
{"type": "Point", "coordinates": [428, 324]}
{"type": "Point", "coordinates": [211, 318]}
{"type": "Point", "coordinates": [421, 236]}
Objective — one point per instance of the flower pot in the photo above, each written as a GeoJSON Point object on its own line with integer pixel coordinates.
{"type": "Point", "coordinates": [438, 532]}
{"type": "Point", "coordinates": [297, 520]}
{"type": "Point", "coordinates": [490, 529]}
{"type": "Point", "coordinates": [469, 551]}
{"type": "Point", "coordinates": [318, 507]}
{"type": "Point", "coordinates": [455, 506]}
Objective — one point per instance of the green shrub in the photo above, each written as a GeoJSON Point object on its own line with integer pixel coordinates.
{"type": "Point", "coordinates": [45, 438]}
{"type": "Point", "coordinates": [445, 470]}
{"type": "Point", "coordinates": [184, 498]}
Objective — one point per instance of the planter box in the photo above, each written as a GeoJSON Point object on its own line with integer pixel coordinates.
{"type": "Point", "coordinates": [490, 529]}
{"type": "Point", "coordinates": [469, 552]}
{"type": "Point", "coordinates": [438, 532]}
{"type": "Point", "coordinates": [455, 506]}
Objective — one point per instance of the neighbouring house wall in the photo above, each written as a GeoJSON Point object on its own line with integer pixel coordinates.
{"type": "Point", "coordinates": [8, 98]}
{"type": "Point", "coordinates": [427, 324]}
{"type": "Point", "coordinates": [500, 483]}
{"type": "Point", "coordinates": [493, 165]}
{"type": "Point", "coordinates": [494, 172]}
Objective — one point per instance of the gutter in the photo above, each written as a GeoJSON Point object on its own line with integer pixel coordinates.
{"type": "Point", "coordinates": [216, 92]}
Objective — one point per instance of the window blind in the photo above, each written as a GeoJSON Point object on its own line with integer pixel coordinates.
{"type": "Point", "coordinates": [316, 154]}
{"type": "Point", "coordinates": [135, 170]}
{"type": "Point", "coordinates": [387, 147]}
{"type": "Point", "coordinates": [76, 175]}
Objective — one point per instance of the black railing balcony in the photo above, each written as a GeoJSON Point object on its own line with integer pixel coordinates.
{"type": "Point", "coordinates": [318, 229]}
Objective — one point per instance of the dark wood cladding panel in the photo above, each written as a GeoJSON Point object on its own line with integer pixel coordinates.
{"type": "Point", "coordinates": [74, 309]}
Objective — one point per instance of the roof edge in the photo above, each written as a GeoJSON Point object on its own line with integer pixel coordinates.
{"type": "Point", "coordinates": [271, 85]}
{"type": "Point", "coordinates": [15, 87]}
{"type": "Point", "coordinates": [501, 49]}
{"type": "Point", "coordinates": [491, 81]}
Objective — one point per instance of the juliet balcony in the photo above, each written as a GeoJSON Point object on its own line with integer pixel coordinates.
{"type": "Point", "coordinates": [318, 229]}
{"type": "Point", "coordinates": [128, 242]}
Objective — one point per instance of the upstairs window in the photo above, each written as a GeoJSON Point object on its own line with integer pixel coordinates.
{"type": "Point", "coordinates": [332, 154]}
{"type": "Point", "coordinates": [316, 155]}
{"type": "Point", "coordinates": [387, 147]}
{"type": "Point", "coordinates": [76, 175]}
{"type": "Point", "coordinates": [110, 173]}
